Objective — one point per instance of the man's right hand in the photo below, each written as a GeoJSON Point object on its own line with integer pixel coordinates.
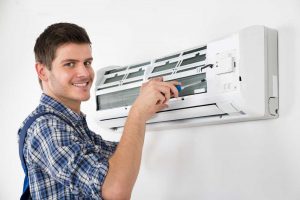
{"type": "Point", "coordinates": [154, 96]}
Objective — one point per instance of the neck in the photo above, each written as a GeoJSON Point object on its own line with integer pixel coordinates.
{"type": "Point", "coordinates": [73, 105]}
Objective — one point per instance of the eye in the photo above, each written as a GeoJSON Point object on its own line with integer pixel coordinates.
{"type": "Point", "coordinates": [87, 63]}
{"type": "Point", "coordinates": [69, 64]}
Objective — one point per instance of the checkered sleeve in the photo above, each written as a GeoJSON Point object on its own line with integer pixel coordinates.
{"type": "Point", "coordinates": [68, 158]}
{"type": "Point", "coordinates": [107, 147]}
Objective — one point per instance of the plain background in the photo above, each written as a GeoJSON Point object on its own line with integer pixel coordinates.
{"type": "Point", "coordinates": [241, 161]}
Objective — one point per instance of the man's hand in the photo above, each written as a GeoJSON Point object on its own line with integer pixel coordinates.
{"type": "Point", "coordinates": [154, 96]}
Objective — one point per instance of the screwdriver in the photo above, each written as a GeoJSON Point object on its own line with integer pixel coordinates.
{"type": "Point", "coordinates": [179, 87]}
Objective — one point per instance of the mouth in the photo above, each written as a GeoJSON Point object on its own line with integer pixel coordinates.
{"type": "Point", "coordinates": [81, 85]}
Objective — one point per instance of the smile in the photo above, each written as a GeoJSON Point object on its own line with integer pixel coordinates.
{"type": "Point", "coordinates": [80, 84]}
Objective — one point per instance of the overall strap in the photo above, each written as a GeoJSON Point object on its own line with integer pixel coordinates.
{"type": "Point", "coordinates": [22, 136]}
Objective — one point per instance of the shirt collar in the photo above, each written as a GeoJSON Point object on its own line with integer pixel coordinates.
{"type": "Point", "coordinates": [62, 109]}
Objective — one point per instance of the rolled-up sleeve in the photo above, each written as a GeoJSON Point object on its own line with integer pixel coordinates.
{"type": "Point", "coordinates": [107, 147]}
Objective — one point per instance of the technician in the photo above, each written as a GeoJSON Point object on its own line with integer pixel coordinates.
{"type": "Point", "coordinates": [64, 158]}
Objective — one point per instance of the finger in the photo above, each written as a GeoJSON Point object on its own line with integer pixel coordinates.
{"type": "Point", "coordinates": [146, 82]}
{"type": "Point", "coordinates": [174, 82]}
{"type": "Point", "coordinates": [173, 89]}
{"type": "Point", "coordinates": [160, 98]}
{"type": "Point", "coordinates": [152, 82]}
{"type": "Point", "coordinates": [159, 78]}
{"type": "Point", "coordinates": [166, 92]}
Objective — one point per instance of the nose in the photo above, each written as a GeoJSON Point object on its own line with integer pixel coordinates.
{"type": "Point", "coordinates": [82, 71]}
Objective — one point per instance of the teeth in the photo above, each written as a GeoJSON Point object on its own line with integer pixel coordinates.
{"type": "Point", "coordinates": [80, 84]}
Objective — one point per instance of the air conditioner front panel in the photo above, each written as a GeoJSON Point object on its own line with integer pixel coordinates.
{"type": "Point", "coordinates": [191, 112]}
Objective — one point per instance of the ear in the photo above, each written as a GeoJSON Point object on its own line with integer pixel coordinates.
{"type": "Point", "coordinates": [41, 71]}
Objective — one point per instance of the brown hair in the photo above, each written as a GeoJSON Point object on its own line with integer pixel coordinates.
{"type": "Point", "coordinates": [53, 37]}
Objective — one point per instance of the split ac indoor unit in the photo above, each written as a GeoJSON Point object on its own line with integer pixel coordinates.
{"type": "Point", "coordinates": [228, 80]}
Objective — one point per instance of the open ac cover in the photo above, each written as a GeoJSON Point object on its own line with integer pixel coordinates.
{"type": "Point", "coordinates": [228, 80]}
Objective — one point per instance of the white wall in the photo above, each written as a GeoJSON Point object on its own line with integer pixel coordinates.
{"type": "Point", "coordinates": [252, 160]}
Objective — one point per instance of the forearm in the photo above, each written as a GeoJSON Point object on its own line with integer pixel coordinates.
{"type": "Point", "coordinates": [125, 163]}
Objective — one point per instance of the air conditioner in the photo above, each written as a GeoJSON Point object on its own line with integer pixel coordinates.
{"type": "Point", "coordinates": [232, 79]}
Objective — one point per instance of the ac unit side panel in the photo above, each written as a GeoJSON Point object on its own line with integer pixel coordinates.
{"type": "Point", "coordinates": [273, 76]}
{"type": "Point", "coordinates": [256, 69]}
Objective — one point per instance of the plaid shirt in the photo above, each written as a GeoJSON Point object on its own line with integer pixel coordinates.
{"type": "Point", "coordinates": [63, 161]}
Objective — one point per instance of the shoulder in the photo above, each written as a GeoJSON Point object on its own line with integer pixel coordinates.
{"type": "Point", "coordinates": [49, 126]}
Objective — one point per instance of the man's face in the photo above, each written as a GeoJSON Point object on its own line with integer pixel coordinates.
{"type": "Point", "coordinates": [71, 75]}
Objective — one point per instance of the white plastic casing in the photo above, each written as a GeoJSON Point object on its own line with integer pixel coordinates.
{"type": "Point", "coordinates": [239, 75]}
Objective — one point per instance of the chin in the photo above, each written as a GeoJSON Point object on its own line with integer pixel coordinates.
{"type": "Point", "coordinates": [85, 98]}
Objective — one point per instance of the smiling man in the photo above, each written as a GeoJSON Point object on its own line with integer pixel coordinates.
{"type": "Point", "coordinates": [71, 75]}
{"type": "Point", "coordinates": [62, 157]}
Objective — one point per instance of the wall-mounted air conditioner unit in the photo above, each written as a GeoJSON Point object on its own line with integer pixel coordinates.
{"type": "Point", "coordinates": [228, 80]}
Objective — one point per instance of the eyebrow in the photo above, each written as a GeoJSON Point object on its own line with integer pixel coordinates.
{"type": "Point", "coordinates": [74, 60]}
{"type": "Point", "coordinates": [89, 59]}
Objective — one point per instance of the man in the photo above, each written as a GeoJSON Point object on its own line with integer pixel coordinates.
{"type": "Point", "coordinates": [65, 160]}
